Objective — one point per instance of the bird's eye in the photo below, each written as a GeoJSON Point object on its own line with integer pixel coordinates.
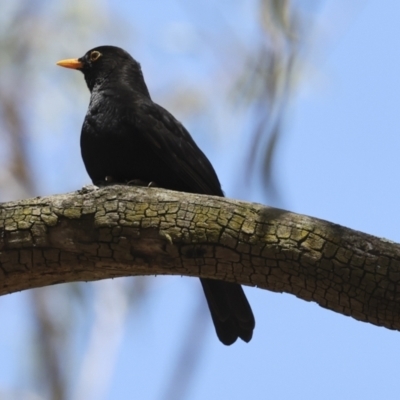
{"type": "Point", "coordinates": [95, 55]}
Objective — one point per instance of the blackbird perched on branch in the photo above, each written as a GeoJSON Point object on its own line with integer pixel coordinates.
{"type": "Point", "coordinates": [127, 137]}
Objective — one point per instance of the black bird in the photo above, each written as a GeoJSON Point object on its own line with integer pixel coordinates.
{"type": "Point", "coordinates": [127, 137]}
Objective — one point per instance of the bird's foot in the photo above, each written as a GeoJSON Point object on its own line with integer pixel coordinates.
{"type": "Point", "coordinates": [108, 181]}
{"type": "Point", "coordinates": [139, 182]}
{"type": "Point", "coordinates": [88, 188]}
{"type": "Point", "coordinates": [136, 182]}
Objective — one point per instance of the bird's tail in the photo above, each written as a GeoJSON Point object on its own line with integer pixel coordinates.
{"type": "Point", "coordinates": [230, 310]}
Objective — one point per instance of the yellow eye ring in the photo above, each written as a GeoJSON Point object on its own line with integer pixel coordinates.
{"type": "Point", "coordinates": [95, 55]}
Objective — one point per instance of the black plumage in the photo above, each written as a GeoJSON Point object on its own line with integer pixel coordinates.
{"type": "Point", "coordinates": [127, 137]}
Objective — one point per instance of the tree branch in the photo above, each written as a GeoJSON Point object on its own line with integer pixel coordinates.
{"type": "Point", "coordinates": [124, 231]}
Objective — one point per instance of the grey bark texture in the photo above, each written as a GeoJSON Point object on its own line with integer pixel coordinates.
{"type": "Point", "coordinates": [126, 231]}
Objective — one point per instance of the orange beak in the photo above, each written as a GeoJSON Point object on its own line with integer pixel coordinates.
{"type": "Point", "coordinates": [73, 63]}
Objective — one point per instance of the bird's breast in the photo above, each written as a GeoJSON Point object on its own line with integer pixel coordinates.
{"type": "Point", "coordinates": [111, 144]}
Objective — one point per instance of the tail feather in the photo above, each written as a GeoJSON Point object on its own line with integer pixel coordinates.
{"type": "Point", "coordinates": [230, 310]}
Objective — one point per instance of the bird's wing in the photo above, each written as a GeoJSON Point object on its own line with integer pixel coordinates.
{"type": "Point", "coordinates": [173, 145]}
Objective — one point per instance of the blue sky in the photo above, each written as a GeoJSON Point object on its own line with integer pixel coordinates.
{"type": "Point", "coordinates": [338, 160]}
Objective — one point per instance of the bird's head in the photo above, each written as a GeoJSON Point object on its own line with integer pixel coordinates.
{"type": "Point", "coordinates": [107, 63]}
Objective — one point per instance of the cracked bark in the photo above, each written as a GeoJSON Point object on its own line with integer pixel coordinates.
{"type": "Point", "coordinates": [124, 231]}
